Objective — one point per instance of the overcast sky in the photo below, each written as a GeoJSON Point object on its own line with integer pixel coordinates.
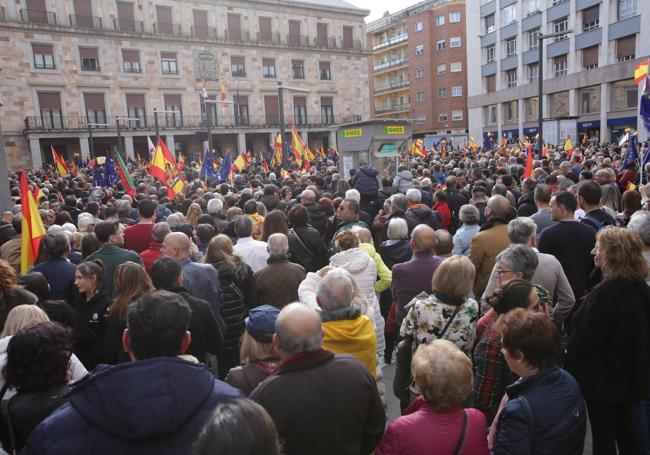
{"type": "Point", "coordinates": [378, 7]}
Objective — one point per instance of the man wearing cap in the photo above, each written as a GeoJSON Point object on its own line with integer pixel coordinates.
{"type": "Point", "coordinates": [263, 358]}
{"type": "Point", "coordinates": [321, 403]}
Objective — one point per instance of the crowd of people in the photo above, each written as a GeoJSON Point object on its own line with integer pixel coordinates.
{"type": "Point", "coordinates": [257, 315]}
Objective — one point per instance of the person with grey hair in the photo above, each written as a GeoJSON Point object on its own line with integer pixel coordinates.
{"type": "Point", "coordinates": [57, 269]}
{"type": "Point", "coordinates": [445, 243]}
{"type": "Point", "coordinates": [277, 283]}
{"type": "Point", "coordinates": [345, 328]}
{"type": "Point", "coordinates": [215, 210]}
{"type": "Point", "coordinates": [640, 223]}
{"type": "Point", "coordinates": [419, 213]}
{"type": "Point", "coordinates": [158, 234]}
{"type": "Point", "coordinates": [470, 217]}
{"type": "Point", "coordinates": [354, 195]}
{"type": "Point", "coordinates": [548, 275]}
{"type": "Point", "coordinates": [124, 208]}
{"type": "Point", "coordinates": [426, 191]}
{"type": "Point", "coordinates": [253, 252]}
{"type": "Point", "coordinates": [174, 220]}
{"type": "Point", "coordinates": [321, 386]}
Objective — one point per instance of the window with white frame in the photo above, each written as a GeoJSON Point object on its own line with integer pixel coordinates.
{"type": "Point", "coordinates": [626, 8]}
{"type": "Point", "coordinates": [442, 93]}
{"type": "Point", "coordinates": [492, 114]}
{"type": "Point", "coordinates": [419, 73]}
{"type": "Point", "coordinates": [511, 47]}
{"type": "Point", "coordinates": [441, 69]}
{"type": "Point", "coordinates": [509, 14]}
{"type": "Point", "coordinates": [441, 44]}
{"type": "Point", "coordinates": [511, 78]}
{"type": "Point", "coordinates": [456, 67]}
{"type": "Point", "coordinates": [419, 96]}
{"type": "Point", "coordinates": [454, 17]}
{"type": "Point", "coordinates": [560, 67]}
{"type": "Point", "coordinates": [456, 115]}
{"type": "Point", "coordinates": [591, 18]}
{"type": "Point", "coordinates": [561, 26]}
{"type": "Point", "coordinates": [489, 23]}
{"type": "Point", "coordinates": [533, 72]}
{"type": "Point", "coordinates": [455, 41]}
{"type": "Point", "coordinates": [43, 56]}
{"type": "Point", "coordinates": [168, 63]}
{"type": "Point", "coordinates": [419, 49]}
{"type": "Point", "coordinates": [418, 26]}
{"type": "Point", "coordinates": [457, 91]}
{"type": "Point", "coordinates": [440, 21]}
{"type": "Point", "coordinates": [532, 7]}
{"type": "Point", "coordinates": [490, 54]}
{"type": "Point", "coordinates": [533, 38]}
{"type": "Point", "coordinates": [442, 117]}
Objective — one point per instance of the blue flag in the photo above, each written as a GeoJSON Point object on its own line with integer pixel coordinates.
{"type": "Point", "coordinates": [207, 170]}
{"type": "Point", "coordinates": [111, 174]}
{"type": "Point", "coordinates": [226, 167]}
{"type": "Point", "coordinates": [98, 176]}
{"type": "Point", "coordinates": [632, 155]}
{"type": "Point", "coordinates": [644, 105]}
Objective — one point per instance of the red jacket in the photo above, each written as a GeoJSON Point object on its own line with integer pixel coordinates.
{"type": "Point", "coordinates": [150, 255]}
{"type": "Point", "coordinates": [443, 209]}
{"type": "Point", "coordinates": [429, 432]}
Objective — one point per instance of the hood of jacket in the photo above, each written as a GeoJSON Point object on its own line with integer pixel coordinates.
{"type": "Point", "coordinates": [369, 171]}
{"type": "Point", "coordinates": [354, 260]}
{"type": "Point", "coordinates": [420, 211]}
{"type": "Point", "coordinates": [156, 396]}
{"type": "Point", "coordinates": [405, 174]}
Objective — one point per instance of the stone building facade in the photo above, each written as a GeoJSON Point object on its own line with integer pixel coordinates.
{"type": "Point", "coordinates": [77, 71]}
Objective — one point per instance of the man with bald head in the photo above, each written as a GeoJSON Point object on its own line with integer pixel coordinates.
{"type": "Point", "coordinates": [200, 280]}
{"type": "Point", "coordinates": [413, 277]}
{"type": "Point", "coordinates": [321, 403]}
{"type": "Point", "coordinates": [490, 241]}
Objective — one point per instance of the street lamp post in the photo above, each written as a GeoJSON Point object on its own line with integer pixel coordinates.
{"type": "Point", "coordinates": [208, 117]}
{"type": "Point", "coordinates": [90, 136]}
{"type": "Point", "coordinates": [281, 88]}
{"type": "Point", "coordinates": [540, 85]}
{"type": "Point", "coordinates": [155, 120]}
{"type": "Point", "coordinates": [119, 133]}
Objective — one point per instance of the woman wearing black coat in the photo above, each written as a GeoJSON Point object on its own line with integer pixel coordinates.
{"type": "Point", "coordinates": [306, 246]}
{"type": "Point", "coordinates": [609, 348]}
{"type": "Point", "coordinates": [236, 278]}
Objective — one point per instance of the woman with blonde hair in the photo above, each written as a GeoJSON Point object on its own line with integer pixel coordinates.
{"type": "Point", "coordinates": [193, 214]}
{"type": "Point", "coordinates": [436, 423]}
{"type": "Point", "coordinates": [607, 348]}
{"type": "Point", "coordinates": [236, 279]}
{"type": "Point", "coordinates": [22, 317]}
{"type": "Point", "coordinates": [131, 281]}
{"type": "Point", "coordinates": [258, 356]}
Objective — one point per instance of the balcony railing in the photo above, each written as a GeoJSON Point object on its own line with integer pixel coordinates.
{"type": "Point", "coordinates": [93, 22]}
{"type": "Point", "coordinates": [326, 42]}
{"type": "Point", "coordinates": [391, 86]}
{"type": "Point", "coordinates": [392, 41]}
{"type": "Point", "coordinates": [127, 25]}
{"type": "Point", "coordinates": [269, 38]}
{"type": "Point", "coordinates": [297, 40]}
{"type": "Point", "coordinates": [393, 108]}
{"type": "Point", "coordinates": [2, 13]}
{"type": "Point", "coordinates": [34, 16]}
{"type": "Point", "coordinates": [391, 63]}
{"type": "Point", "coordinates": [204, 32]}
{"type": "Point", "coordinates": [65, 123]}
{"type": "Point", "coordinates": [354, 44]}
{"type": "Point", "coordinates": [237, 36]}
{"type": "Point", "coordinates": [165, 28]}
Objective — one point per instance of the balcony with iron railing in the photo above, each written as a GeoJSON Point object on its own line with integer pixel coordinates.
{"type": "Point", "coordinates": [2, 14]}
{"type": "Point", "coordinates": [203, 32]}
{"type": "Point", "coordinates": [92, 22]}
{"type": "Point", "coordinates": [324, 41]}
{"type": "Point", "coordinates": [391, 86]}
{"type": "Point", "coordinates": [269, 38]}
{"type": "Point", "coordinates": [167, 28]}
{"type": "Point", "coordinates": [237, 36]}
{"type": "Point", "coordinates": [391, 63]}
{"type": "Point", "coordinates": [127, 25]}
{"type": "Point", "coordinates": [34, 16]}
{"type": "Point", "coordinates": [70, 123]}
{"type": "Point", "coordinates": [392, 41]}
{"type": "Point", "coordinates": [297, 41]}
{"type": "Point", "coordinates": [393, 108]}
{"type": "Point", "coordinates": [351, 44]}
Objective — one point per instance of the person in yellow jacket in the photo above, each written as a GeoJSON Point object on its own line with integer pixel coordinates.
{"type": "Point", "coordinates": [345, 329]}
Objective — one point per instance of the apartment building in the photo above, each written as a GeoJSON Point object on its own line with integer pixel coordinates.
{"type": "Point", "coordinates": [587, 75]}
{"type": "Point", "coordinates": [418, 67]}
{"type": "Point", "coordinates": [75, 72]}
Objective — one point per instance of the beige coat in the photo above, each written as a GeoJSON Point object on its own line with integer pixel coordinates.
{"type": "Point", "coordinates": [483, 251]}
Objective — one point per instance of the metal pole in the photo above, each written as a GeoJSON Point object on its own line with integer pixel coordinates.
{"type": "Point", "coordinates": [5, 191]}
{"type": "Point", "coordinates": [540, 86]}
{"type": "Point", "coordinates": [155, 122]}
{"type": "Point", "coordinates": [90, 140]}
{"type": "Point", "coordinates": [281, 113]}
{"type": "Point", "coordinates": [208, 114]}
{"type": "Point", "coordinates": [119, 137]}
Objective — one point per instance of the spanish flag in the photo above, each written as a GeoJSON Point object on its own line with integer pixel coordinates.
{"type": "Point", "coordinates": [298, 148]}
{"type": "Point", "coordinates": [32, 226]}
{"type": "Point", "coordinates": [265, 166]}
{"type": "Point", "coordinates": [641, 71]}
{"type": "Point", "coordinates": [240, 162]}
{"type": "Point", "coordinates": [163, 167]}
{"type": "Point", "coordinates": [222, 91]}
{"type": "Point", "coordinates": [528, 170]}
{"type": "Point", "coordinates": [73, 169]}
{"type": "Point", "coordinates": [278, 149]}
{"type": "Point", "coordinates": [59, 162]}
{"type": "Point", "coordinates": [419, 149]}
{"type": "Point", "coordinates": [568, 146]}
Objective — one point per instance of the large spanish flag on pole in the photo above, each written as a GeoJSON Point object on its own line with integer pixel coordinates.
{"type": "Point", "coordinates": [59, 163]}
{"type": "Point", "coordinates": [298, 148]}
{"type": "Point", "coordinates": [163, 167]}
{"type": "Point", "coordinates": [32, 226]}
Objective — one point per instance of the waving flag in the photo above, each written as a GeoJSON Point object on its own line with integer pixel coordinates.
{"type": "Point", "coordinates": [644, 105]}
{"type": "Point", "coordinates": [163, 167]}
{"type": "Point", "coordinates": [265, 166]}
{"type": "Point", "coordinates": [277, 147]}
{"type": "Point", "coordinates": [125, 178]}
{"type": "Point", "coordinates": [568, 146]}
{"type": "Point", "coordinates": [222, 91]}
{"type": "Point", "coordinates": [73, 169]}
{"type": "Point", "coordinates": [641, 71]}
{"type": "Point", "coordinates": [528, 171]}
{"type": "Point", "coordinates": [632, 155]}
{"type": "Point", "coordinates": [32, 226]}
{"type": "Point", "coordinates": [240, 162]}
{"type": "Point", "coordinates": [207, 168]}
{"type": "Point", "coordinates": [298, 147]}
{"type": "Point", "coordinates": [226, 168]}
{"type": "Point", "coordinates": [61, 167]}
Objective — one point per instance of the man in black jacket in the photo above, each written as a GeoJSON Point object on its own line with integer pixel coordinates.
{"type": "Point", "coordinates": [317, 215]}
{"type": "Point", "coordinates": [206, 335]}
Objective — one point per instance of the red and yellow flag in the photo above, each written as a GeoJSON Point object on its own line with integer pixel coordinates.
{"type": "Point", "coordinates": [222, 91]}
{"type": "Point", "coordinates": [240, 162]}
{"type": "Point", "coordinates": [32, 226]}
{"type": "Point", "coordinates": [73, 169]}
{"type": "Point", "coordinates": [641, 71]}
{"type": "Point", "coordinates": [163, 167]}
{"type": "Point", "coordinates": [265, 166]}
{"type": "Point", "coordinates": [298, 148]}
{"type": "Point", "coordinates": [277, 147]}
{"type": "Point", "coordinates": [528, 171]}
{"type": "Point", "coordinates": [59, 163]}
{"type": "Point", "coordinates": [568, 146]}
